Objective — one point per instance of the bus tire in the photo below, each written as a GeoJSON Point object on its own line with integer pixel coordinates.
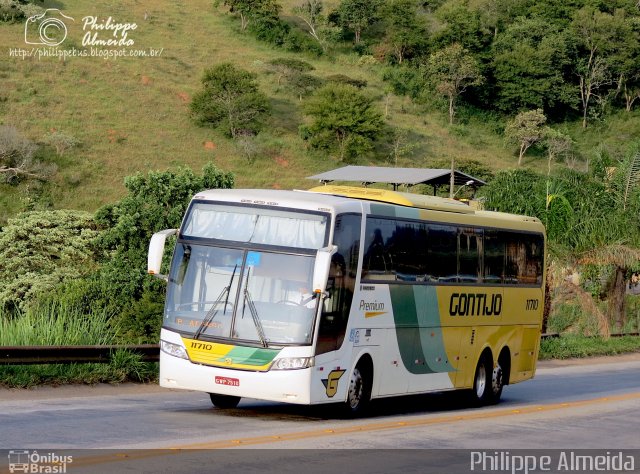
{"type": "Point", "coordinates": [359, 390]}
{"type": "Point", "coordinates": [487, 382]}
{"type": "Point", "coordinates": [224, 401]}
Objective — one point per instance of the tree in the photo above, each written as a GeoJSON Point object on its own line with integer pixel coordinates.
{"type": "Point", "coordinates": [246, 9]}
{"type": "Point", "coordinates": [451, 71]}
{"type": "Point", "coordinates": [557, 144]}
{"type": "Point", "coordinates": [463, 25]}
{"type": "Point", "coordinates": [262, 17]}
{"type": "Point", "coordinates": [60, 141]}
{"type": "Point", "coordinates": [357, 15]}
{"type": "Point", "coordinates": [344, 121]}
{"type": "Point", "coordinates": [17, 157]}
{"type": "Point", "coordinates": [496, 14]}
{"type": "Point", "coordinates": [595, 34]}
{"type": "Point", "coordinates": [531, 61]}
{"type": "Point", "coordinates": [304, 84]}
{"type": "Point", "coordinates": [406, 31]}
{"type": "Point", "coordinates": [42, 249]}
{"type": "Point", "coordinates": [310, 11]}
{"type": "Point", "coordinates": [626, 60]}
{"type": "Point", "coordinates": [230, 100]}
{"type": "Point", "coordinates": [286, 68]}
{"type": "Point", "coordinates": [400, 144]}
{"type": "Point", "coordinates": [524, 130]}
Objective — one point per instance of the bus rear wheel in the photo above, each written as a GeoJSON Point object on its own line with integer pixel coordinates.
{"type": "Point", "coordinates": [487, 383]}
{"type": "Point", "coordinates": [224, 401]}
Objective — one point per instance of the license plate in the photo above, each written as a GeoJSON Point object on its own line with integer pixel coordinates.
{"type": "Point", "coordinates": [228, 381]}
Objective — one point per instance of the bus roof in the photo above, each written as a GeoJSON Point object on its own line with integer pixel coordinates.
{"type": "Point", "coordinates": [421, 201]}
{"type": "Point", "coordinates": [337, 197]}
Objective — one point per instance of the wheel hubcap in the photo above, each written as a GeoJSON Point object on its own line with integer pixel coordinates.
{"type": "Point", "coordinates": [496, 379]}
{"type": "Point", "coordinates": [355, 389]}
{"type": "Point", "coordinates": [481, 380]}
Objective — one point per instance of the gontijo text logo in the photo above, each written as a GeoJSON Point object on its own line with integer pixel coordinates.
{"type": "Point", "coordinates": [34, 462]}
{"type": "Point", "coordinates": [48, 28]}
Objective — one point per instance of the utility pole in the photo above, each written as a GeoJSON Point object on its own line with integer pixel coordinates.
{"type": "Point", "coordinates": [451, 179]}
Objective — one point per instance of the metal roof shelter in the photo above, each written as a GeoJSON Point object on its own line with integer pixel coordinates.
{"type": "Point", "coordinates": [398, 176]}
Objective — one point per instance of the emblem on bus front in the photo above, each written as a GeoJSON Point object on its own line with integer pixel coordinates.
{"type": "Point", "coordinates": [331, 382]}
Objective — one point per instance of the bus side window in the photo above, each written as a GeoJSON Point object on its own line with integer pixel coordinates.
{"type": "Point", "coordinates": [341, 283]}
{"type": "Point", "coordinates": [469, 246]}
{"type": "Point", "coordinates": [494, 256]}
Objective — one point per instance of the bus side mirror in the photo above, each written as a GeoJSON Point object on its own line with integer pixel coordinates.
{"type": "Point", "coordinates": [321, 268]}
{"type": "Point", "coordinates": [156, 250]}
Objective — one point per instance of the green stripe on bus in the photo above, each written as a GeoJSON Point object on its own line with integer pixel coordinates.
{"type": "Point", "coordinates": [251, 355]}
{"type": "Point", "coordinates": [406, 322]}
{"type": "Point", "coordinates": [431, 338]}
{"type": "Point", "coordinates": [389, 210]}
{"type": "Point", "coordinates": [383, 210]}
{"type": "Point", "coordinates": [418, 331]}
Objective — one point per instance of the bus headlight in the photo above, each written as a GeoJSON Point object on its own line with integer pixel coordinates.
{"type": "Point", "coordinates": [174, 350]}
{"type": "Point", "coordinates": [293, 363]}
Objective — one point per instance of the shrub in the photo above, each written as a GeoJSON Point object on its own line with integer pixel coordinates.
{"type": "Point", "coordinates": [345, 121]}
{"type": "Point", "coordinates": [17, 157]}
{"type": "Point", "coordinates": [230, 101]}
{"type": "Point", "coordinates": [42, 249]}
{"type": "Point", "coordinates": [60, 141]}
{"type": "Point", "coordinates": [154, 202]}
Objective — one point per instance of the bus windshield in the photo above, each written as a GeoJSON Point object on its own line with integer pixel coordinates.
{"type": "Point", "coordinates": [261, 297]}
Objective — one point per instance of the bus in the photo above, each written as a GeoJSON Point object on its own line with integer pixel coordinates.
{"type": "Point", "coordinates": [344, 294]}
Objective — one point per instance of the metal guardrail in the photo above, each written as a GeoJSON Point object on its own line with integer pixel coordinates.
{"type": "Point", "coordinates": [27, 355]}
{"type": "Point", "coordinates": [553, 335]}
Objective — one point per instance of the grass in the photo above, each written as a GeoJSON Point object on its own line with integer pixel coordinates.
{"type": "Point", "coordinates": [59, 324]}
{"type": "Point", "coordinates": [124, 367]}
{"type": "Point", "coordinates": [56, 324]}
{"type": "Point", "coordinates": [570, 346]}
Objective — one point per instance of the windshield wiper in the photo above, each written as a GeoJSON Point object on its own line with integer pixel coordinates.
{"type": "Point", "coordinates": [214, 309]}
{"type": "Point", "coordinates": [254, 312]}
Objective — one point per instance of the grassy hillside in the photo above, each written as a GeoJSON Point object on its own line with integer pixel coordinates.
{"type": "Point", "coordinates": [132, 114]}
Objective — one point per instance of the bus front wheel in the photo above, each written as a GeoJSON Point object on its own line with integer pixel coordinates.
{"type": "Point", "coordinates": [359, 390]}
{"type": "Point", "coordinates": [224, 401]}
{"type": "Point", "coordinates": [487, 383]}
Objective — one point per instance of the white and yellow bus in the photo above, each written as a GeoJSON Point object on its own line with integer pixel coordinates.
{"type": "Point", "coordinates": [346, 294]}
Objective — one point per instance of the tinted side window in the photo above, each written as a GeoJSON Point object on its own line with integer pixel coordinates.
{"type": "Point", "coordinates": [523, 259]}
{"type": "Point", "coordinates": [493, 257]}
{"type": "Point", "coordinates": [469, 247]}
{"type": "Point", "coordinates": [378, 247]}
{"type": "Point", "coordinates": [443, 253]}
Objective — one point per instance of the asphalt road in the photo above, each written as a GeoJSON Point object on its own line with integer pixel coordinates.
{"type": "Point", "coordinates": [592, 404]}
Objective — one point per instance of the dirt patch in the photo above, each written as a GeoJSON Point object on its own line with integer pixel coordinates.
{"type": "Point", "coordinates": [281, 161]}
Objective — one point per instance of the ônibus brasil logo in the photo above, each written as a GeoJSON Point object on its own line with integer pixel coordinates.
{"type": "Point", "coordinates": [32, 462]}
